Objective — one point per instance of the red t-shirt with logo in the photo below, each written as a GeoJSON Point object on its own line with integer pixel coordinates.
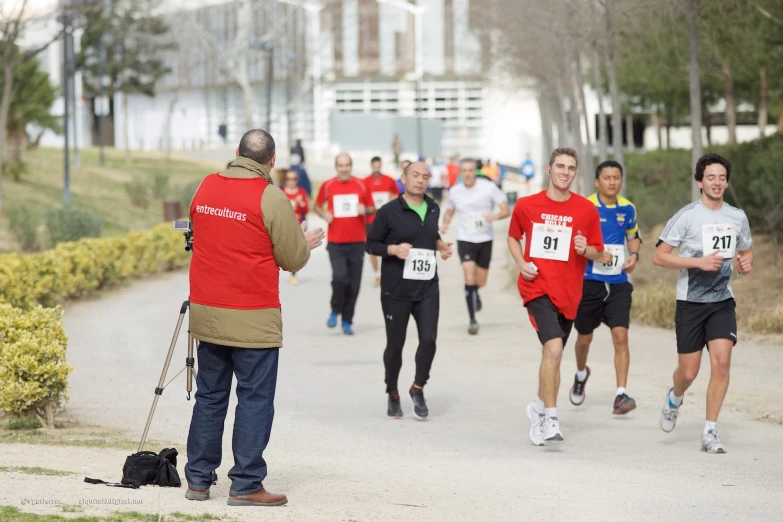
{"type": "Point", "coordinates": [298, 199]}
{"type": "Point", "coordinates": [561, 281]}
{"type": "Point", "coordinates": [383, 184]}
{"type": "Point", "coordinates": [345, 229]}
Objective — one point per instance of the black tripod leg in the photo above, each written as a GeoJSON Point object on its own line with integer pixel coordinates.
{"type": "Point", "coordinates": [159, 389]}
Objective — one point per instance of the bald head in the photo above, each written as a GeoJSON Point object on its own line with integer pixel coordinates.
{"type": "Point", "coordinates": [344, 165]}
{"type": "Point", "coordinates": [416, 177]}
{"type": "Point", "coordinates": [257, 145]}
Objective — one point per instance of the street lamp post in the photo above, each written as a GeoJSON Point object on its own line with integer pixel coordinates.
{"type": "Point", "coordinates": [416, 11]}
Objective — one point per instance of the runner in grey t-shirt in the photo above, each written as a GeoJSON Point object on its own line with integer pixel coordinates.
{"type": "Point", "coordinates": [708, 233]}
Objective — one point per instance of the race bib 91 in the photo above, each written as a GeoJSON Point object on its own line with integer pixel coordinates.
{"type": "Point", "coordinates": [346, 205]}
{"type": "Point", "coordinates": [722, 238]}
{"type": "Point", "coordinates": [477, 225]}
{"type": "Point", "coordinates": [380, 199]}
{"type": "Point", "coordinates": [550, 242]}
{"type": "Point", "coordinates": [420, 264]}
{"type": "Point", "coordinates": [615, 266]}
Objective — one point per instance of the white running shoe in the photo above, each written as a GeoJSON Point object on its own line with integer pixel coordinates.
{"type": "Point", "coordinates": [711, 443]}
{"type": "Point", "coordinates": [551, 429]}
{"type": "Point", "coordinates": [668, 417]}
{"type": "Point", "coordinates": [532, 414]}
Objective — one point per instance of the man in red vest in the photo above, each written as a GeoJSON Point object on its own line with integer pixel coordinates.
{"type": "Point", "coordinates": [244, 232]}
{"type": "Point", "coordinates": [348, 204]}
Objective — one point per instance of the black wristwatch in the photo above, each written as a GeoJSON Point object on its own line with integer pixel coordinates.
{"type": "Point", "coordinates": [635, 254]}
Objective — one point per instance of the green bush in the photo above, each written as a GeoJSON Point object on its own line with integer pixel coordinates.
{"type": "Point", "coordinates": [24, 226]}
{"type": "Point", "coordinates": [138, 193]}
{"type": "Point", "coordinates": [186, 196]}
{"type": "Point", "coordinates": [15, 169]}
{"type": "Point", "coordinates": [160, 185]}
{"type": "Point", "coordinates": [33, 369]}
{"type": "Point", "coordinates": [72, 224]}
{"type": "Point", "coordinates": [658, 183]}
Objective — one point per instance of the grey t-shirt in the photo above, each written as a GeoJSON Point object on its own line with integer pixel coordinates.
{"type": "Point", "coordinates": [696, 228]}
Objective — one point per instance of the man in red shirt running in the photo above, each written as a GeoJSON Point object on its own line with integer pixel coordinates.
{"type": "Point", "coordinates": [348, 205]}
{"type": "Point", "coordinates": [383, 189]}
{"type": "Point", "coordinates": [562, 230]}
{"type": "Point", "coordinates": [298, 198]}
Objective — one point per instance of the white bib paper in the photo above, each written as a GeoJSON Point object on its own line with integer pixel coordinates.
{"type": "Point", "coordinates": [420, 264]}
{"type": "Point", "coordinates": [380, 199]}
{"type": "Point", "coordinates": [346, 205]}
{"type": "Point", "coordinates": [550, 242]}
{"type": "Point", "coordinates": [477, 225]}
{"type": "Point", "coordinates": [722, 238]}
{"type": "Point", "coordinates": [616, 265]}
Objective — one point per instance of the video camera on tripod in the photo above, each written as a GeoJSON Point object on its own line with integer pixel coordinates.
{"type": "Point", "coordinates": [187, 231]}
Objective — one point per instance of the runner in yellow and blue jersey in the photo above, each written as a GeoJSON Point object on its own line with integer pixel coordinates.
{"type": "Point", "coordinates": [606, 293]}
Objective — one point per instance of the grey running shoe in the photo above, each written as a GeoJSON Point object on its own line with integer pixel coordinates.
{"type": "Point", "coordinates": [623, 404]}
{"type": "Point", "coordinates": [394, 410]}
{"type": "Point", "coordinates": [577, 393]}
{"type": "Point", "coordinates": [473, 328]}
{"type": "Point", "coordinates": [420, 410]}
{"type": "Point", "coordinates": [669, 413]}
{"type": "Point", "coordinates": [711, 443]}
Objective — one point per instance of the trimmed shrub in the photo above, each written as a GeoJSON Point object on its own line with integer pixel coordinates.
{"type": "Point", "coordinates": [186, 196]}
{"type": "Point", "coordinates": [72, 224]}
{"type": "Point", "coordinates": [33, 369]}
{"type": "Point", "coordinates": [160, 185]}
{"type": "Point", "coordinates": [138, 193]}
{"type": "Point", "coordinates": [24, 226]}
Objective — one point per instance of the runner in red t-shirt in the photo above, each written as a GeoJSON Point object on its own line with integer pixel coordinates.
{"type": "Point", "coordinates": [562, 230]}
{"type": "Point", "coordinates": [298, 198]}
{"type": "Point", "coordinates": [348, 204]}
{"type": "Point", "coordinates": [383, 189]}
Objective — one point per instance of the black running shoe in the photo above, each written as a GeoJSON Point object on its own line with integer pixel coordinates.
{"type": "Point", "coordinates": [623, 404]}
{"type": "Point", "coordinates": [394, 410]}
{"type": "Point", "coordinates": [420, 410]}
{"type": "Point", "coordinates": [577, 392]}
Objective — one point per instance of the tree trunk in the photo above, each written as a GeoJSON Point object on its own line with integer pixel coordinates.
{"type": "Point", "coordinates": [5, 108]}
{"type": "Point", "coordinates": [563, 139]}
{"type": "Point", "coordinates": [780, 125]}
{"type": "Point", "coordinates": [629, 132]}
{"type": "Point", "coordinates": [241, 50]}
{"type": "Point", "coordinates": [544, 107]}
{"type": "Point", "coordinates": [707, 121]}
{"type": "Point", "coordinates": [126, 124]}
{"type": "Point", "coordinates": [573, 112]}
{"type": "Point", "coordinates": [599, 92]}
{"type": "Point", "coordinates": [586, 164]}
{"type": "Point", "coordinates": [762, 109]}
{"type": "Point", "coordinates": [172, 106]}
{"type": "Point", "coordinates": [669, 122]}
{"type": "Point", "coordinates": [731, 102]}
{"type": "Point", "coordinates": [695, 89]}
{"type": "Point", "coordinates": [614, 90]}
{"type": "Point", "coordinates": [656, 121]}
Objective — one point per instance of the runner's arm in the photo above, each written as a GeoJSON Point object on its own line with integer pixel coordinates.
{"type": "Point", "coordinates": [447, 218]}
{"type": "Point", "coordinates": [515, 247]}
{"type": "Point", "coordinates": [663, 257]}
{"type": "Point", "coordinates": [634, 245]}
{"type": "Point", "coordinates": [376, 238]}
{"type": "Point", "coordinates": [504, 211]}
{"type": "Point", "coordinates": [593, 253]}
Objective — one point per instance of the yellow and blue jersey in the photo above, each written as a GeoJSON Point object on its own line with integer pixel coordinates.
{"type": "Point", "coordinates": [618, 223]}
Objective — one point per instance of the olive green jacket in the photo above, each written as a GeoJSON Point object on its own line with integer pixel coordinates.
{"type": "Point", "coordinates": [261, 328]}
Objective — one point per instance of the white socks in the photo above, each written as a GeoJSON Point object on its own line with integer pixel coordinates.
{"type": "Point", "coordinates": [710, 426]}
{"type": "Point", "coordinates": [550, 413]}
{"type": "Point", "coordinates": [674, 400]}
{"type": "Point", "coordinates": [620, 390]}
{"type": "Point", "coordinates": [581, 375]}
{"type": "Point", "coordinates": [538, 406]}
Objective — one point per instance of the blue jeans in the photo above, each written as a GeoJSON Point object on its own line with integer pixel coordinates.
{"type": "Point", "coordinates": [256, 371]}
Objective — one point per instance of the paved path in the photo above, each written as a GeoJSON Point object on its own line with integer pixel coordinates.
{"type": "Point", "coordinates": [338, 457]}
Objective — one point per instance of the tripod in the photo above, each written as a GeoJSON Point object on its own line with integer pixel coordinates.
{"type": "Point", "coordinates": [189, 366]}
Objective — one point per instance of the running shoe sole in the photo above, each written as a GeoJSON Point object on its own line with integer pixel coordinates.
{"type": "Point", "coordinates": [534, 438]}
{"type": "Point", "coordinates": [413, 404]}
{"type": "Point", "coordinates": [722, 451]}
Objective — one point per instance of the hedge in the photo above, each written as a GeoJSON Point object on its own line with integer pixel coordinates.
{"type": "Point", "coordinates": [73, 269]}
{"type": "Point", "coordinates": [33, 369]}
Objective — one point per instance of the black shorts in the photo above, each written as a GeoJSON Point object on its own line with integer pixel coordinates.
{"type": "Point", "coordinates": [603, 303]}
{"type": "Point", "coordinates": [548, 321]}
{"type": "Point", "coordinates": [480, 253]}
{"type": "Point", "coordinates": [698, 323]}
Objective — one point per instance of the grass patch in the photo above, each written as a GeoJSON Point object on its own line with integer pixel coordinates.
{"type": "Point", "coordinates": [75, 508]}
{"type": "Point", "coordinates": [12, 514]}
{"type": "Point", "coordinates": [101, 190]}
{"type": "Point", "coordinates": [23, 423]}
{"type": "Point", "coordinates": [654, 305]}
{"type": "Point", "coordinates": [84, 437]}
{"type": "Point", "coordinates": [34, 471]}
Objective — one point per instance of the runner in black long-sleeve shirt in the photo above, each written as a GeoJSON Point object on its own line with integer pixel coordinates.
{"type": "Point", "coordinates": [405, 235]}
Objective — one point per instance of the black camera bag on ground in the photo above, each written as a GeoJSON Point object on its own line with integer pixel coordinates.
{"type": "Point", "coordinates": [148, 468]}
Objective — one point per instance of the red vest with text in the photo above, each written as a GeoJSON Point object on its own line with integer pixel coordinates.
{"type": "Point", "coordinates": [233, 265]}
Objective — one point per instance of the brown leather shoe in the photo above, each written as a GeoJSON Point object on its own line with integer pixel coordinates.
{"type": "Point", "coordinates": [197, 494]}
{"type": "Point", "coordinates": [260, 498]}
